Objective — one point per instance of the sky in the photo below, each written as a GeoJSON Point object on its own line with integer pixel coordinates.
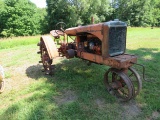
{"type": "Point", "coordinates": [39, 3]}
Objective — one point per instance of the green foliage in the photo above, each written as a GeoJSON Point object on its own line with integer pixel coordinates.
{"type": "Point", "coordinates": [74, 12]}
{"type": "Point", "coordinates": [21, 18]}
{"type": "Point", "coordinates": [77, 12]}
{"type": "Point", "coordinates": [99, 10]}
{"type": "Point", "coordinates": [138, 12]}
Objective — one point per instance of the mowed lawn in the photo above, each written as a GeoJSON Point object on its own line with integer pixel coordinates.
{"type": "Point", "coordinates": [76, 91]}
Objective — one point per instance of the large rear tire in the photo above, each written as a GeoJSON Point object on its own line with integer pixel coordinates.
{"type": "Point", "coordinates": [48, 51]}
{"type": "Point", "coordinates": [46, 61]}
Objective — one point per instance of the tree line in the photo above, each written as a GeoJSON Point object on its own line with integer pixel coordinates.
{"type": "Point", "coordinates": [22, 17]}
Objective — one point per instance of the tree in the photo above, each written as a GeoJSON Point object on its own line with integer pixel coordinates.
{"type": "Point", "coordinates": [1, 10]}
{"type": "Point", "coordinates": [100, 10]}
{"type": "Point", "coordinates": [137, 12]}
{"type": "Point", "coordinates": [75, 12]}
{"type": "Point", "coordinates": [20, 18]}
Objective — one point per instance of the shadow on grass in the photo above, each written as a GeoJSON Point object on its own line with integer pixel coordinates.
{"type": "Point", "coordinates": [10, 112]}
{"type": "Point", "coordinates": [73, 75]}
{"type": "Point", "coordinates": [146, 54]}
{"type": "Point", "coordinates": [76, 91]}
{"type": "Point", "coordinates": [34, 71]}
{"type": "Point", "coordinates": [150, 58]}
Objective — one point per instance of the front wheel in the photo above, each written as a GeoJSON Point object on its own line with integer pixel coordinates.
{"type": "Point", "coordinates": [118, 84]}
{"type": "Point", "coordinates": [135, 79]}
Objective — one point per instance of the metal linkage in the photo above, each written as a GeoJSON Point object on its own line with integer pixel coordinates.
{"type": "Point", "coordinates": [143, 67]}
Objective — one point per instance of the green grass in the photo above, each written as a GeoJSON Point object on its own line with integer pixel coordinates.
{"type": "Point", "coordinates": [18, 41]}
{"type": "Point", "coordinates": [76, 91]}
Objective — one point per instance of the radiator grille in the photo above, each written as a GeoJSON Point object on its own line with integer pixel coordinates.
{"type": "Point", "coordinates": [117, 40]}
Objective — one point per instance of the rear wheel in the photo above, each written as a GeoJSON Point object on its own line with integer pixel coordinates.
{"type": "Point", "coordinates": [45, 59]}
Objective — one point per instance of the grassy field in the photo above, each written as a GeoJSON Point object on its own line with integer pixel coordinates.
{"type": "Point", "coordinates": [76, 91]}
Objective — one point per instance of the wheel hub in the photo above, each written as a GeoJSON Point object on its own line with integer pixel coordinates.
{"type": "Point", "coordinates": [116, 84]}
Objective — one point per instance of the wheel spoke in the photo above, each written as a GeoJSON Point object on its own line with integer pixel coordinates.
{"type": "Point", "coordinates": [130, 75]}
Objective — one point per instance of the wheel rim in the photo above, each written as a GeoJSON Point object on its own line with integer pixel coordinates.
{"type": "Point", "coordinates": [118, 84]}
{"type": "Point", "coordinates": [135, 79]}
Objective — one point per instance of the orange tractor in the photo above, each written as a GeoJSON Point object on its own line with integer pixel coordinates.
{"type": "Point", "coordinates": [104, 44]}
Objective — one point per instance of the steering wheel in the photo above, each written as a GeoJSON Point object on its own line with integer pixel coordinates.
{"type": "Point", "coordinates": [60, 26]}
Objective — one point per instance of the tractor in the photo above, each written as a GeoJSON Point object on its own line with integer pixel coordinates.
{"type": "Point", "coordinates": [103, 44]}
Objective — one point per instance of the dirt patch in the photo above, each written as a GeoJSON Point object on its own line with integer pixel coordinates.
{"type": "Point", "coordinates": [18, 78]}
{"type": "Point", "coordinates": [131, 110]}
{"type": "Point", "coordinates": [154, 116]}
{"type": "Point", "coordinates": [65, 97]}
{"type": "Point", "coordinates": [100, 103]}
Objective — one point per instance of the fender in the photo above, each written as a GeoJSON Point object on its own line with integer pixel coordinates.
{"type": "Point", "coordinates": [51, 46]}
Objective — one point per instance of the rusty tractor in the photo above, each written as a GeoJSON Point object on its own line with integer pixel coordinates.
{"type": "Point", "coordinates": [104, 44]}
